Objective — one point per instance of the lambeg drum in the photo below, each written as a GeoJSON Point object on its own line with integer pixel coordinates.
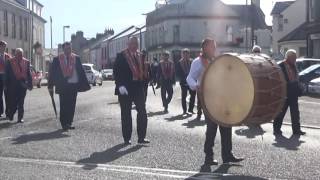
{"type": "Point", "coordinates": [243, 89]}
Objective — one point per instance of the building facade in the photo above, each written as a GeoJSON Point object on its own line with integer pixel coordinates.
{"type": "Point", "coordinates": [313, 28]}
{"type": "Point", "coordinates": [184, 23]}
{"type": "Point", "coordinates": [16, 19]}
{"type": "Point", "coordinates": [288, 27]}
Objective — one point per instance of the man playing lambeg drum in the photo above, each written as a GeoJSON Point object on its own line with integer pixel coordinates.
{"type": "Point", "coordinates": [198, 67]}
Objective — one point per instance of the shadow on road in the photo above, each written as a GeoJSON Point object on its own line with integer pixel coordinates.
{"type": "Point", "coordinates": [221, 173]}
{"type": "Point", "coordinates": [113, 103]}
{"type": "Point", "coordinates": [107, 156]}
{"type": "Point", "coordinates": [291, 143]}
{"type": "Point", "coordinates": [194, 123]}
{"type": "Point", "coordinates": [5, 125]}
{"type": "Point", "coordinates": [178, 117]}
{"type": "Point", "coordinates": [159, 113]}
{"type": "Point", "coordinates": [251, 132]}
{"type": "Point", "coordinates": [39, 137]}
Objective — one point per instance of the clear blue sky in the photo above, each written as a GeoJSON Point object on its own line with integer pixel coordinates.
{"type": "Point", "coordinates": [93, 16]}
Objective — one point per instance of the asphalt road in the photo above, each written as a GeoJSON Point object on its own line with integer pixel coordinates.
{"type": "Point", "coordinates": [38, 149]}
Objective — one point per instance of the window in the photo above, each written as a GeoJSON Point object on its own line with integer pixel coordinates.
{"type": "Point", "coordinates": [13, 26]}
{"type": "Point", "coordinates": [5, 21]}
{"type": "Point", "coordinates": [280, 23]}
{"type": "Point", "coordinates": [285, 21]}
{"type": "Point", "coordinates": [20, 28]}
{"type": "Point", "coordinates": [229, 32]}
{"type": "Point", "coordinates": [25, 29]}
{"type": "Point", "coordinates": [302, 51]}
{"type": "Point", "coordinates": [176, 33]}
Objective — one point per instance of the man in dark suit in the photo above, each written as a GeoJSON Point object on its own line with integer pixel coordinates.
{"type": "Point", "coordinates": [17, 80]}
{"type": "Point", "coordinates": [288, 67]}
{"type": "Point", "coordinates": [183, 69]}
{"type": "Point", "coordinates": [67, 75]}
{"type": "Point", "coordinates": [3, 58]}
{"type": "Point", "coordinates": [129, 78]}
{"type": "Point", "coordinates": [167, 79]}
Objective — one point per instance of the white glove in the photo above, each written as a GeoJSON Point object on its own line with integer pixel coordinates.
{"type": "Point", "coordinates": [123, 90]}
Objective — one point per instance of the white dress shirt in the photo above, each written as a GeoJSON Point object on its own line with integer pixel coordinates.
{"type": "Point", "coordinates": [74, 79]}
{"type": "Point", "coordinates": [195, 74]}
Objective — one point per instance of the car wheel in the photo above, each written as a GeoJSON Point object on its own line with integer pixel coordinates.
{"type": "Point", "coordinates": [38, 85]}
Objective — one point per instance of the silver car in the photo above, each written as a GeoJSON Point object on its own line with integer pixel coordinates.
{"type": "Point", "coordinates": [94, 77]}
{"type": "Point", "coordinates": [314, 86]}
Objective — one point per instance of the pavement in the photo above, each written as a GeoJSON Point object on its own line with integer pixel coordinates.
{"type": "Point", "coordinates": [38, 149]}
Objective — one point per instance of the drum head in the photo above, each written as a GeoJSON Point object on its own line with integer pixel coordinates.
{"type": "Point", "coordinates": [227, 91]}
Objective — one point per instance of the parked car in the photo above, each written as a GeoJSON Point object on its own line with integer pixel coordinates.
{"type": "Point", "coordinates": [107, 74]}
{"type": "Point", "coordinates": [304, 63]}
{"type": "Point", "coordinates": [36, 77]}
{"type": "Point", "coordinates": [314, 86]}
{"type": "Point", "coordinates": [309, 74]}
{"type": "Point", "coordinates": [94, 77]}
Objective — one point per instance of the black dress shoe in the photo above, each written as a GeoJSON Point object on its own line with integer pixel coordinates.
{"type": "Point", "coordinates": [299, 133]}
{"type": "Point", "coordinates": [65, 129]}
{"type": "Point", "coordinates": [20, 121]}
{"type": "Point", "coordinates": [211, 162]}
{"type": "Point", "coordinates": [191, 112]}
{"type": "Point", "coordinates": [277, 132]}
{"type": "Point", "coordinates": [144, 141]}
{"type": "Point", "coordinates": [71, 127]}
{"type": "Point", "coordinates": [233, 159]}
{"type": "Point", "coordinates": [127, 142]}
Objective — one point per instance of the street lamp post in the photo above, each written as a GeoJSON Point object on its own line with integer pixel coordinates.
{"type": "Point", "coordinates": [64, 32]}
{"type": "Point", "coordinates": [140, 33]}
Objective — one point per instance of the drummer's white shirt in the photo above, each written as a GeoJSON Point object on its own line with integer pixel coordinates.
{"type": "Point", "coordinates": [194, 77]}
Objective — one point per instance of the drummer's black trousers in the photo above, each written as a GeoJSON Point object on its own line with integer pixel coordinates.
{"type": "Point", "coordinates": [166, 93]}
{"type": "Point", "coordinates": [226, 140]}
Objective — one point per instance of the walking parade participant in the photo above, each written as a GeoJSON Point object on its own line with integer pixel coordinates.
{"type": "Point", "coordinates": [67, 75]}
{"type": "Point", "coordinates": [198, 67]}
{"type": "Point", "coordinates": [3, 58]}
{"type": "Point", "coordinates": [167, 79]}
{"type": "Point", "coordinates": [183, 69]}
{"type": "Point", "coordinates": [288, 67]}
{"type": "Point", "coordinates": [146, 72]}
{"type": "Point", "coordinates": [128, 71]}
{"type": "Point", "coordinates": [17, 80]}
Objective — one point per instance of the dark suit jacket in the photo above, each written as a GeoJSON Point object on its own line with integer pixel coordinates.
{"type": "Point", "coordinates": [293, 88]}
{"type": "Point", "coordinates": [163, 80]}
{"type": "Point", "coordinates": [56, 78]}
{"type": "Point", "coordinates": [123, 74]}
{"type": "Point", "coordinates": [11, 81]}
{"type": "Point", "coordinates": [181, 75]}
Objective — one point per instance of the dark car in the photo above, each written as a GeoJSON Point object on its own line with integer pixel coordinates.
{"type": "Point", "coordinates": [304, 63]}
{"type": "Point", "coordinates": [309, 74]}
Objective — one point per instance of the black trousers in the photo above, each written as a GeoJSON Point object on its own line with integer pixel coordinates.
{"type": "Point", "coordinates": [136, 96]}
{"type": "Point", "coordinates": [184, 94]}
{"type": "Point", "coordinates": [145, 88]}
{"type": "Point", "coordinates": [16, 95]}
{"type": "Point", "coordinates": [226, 140]}
{"type": "Point", "coordinates": [199, 108]}
{"type": "Point", "coordinates": [291, 102]}
{"type": "Point", "coordinates": [166, 93]}
{"type": "Point", "coordinates": [1, 93]}
{"type": "Point", "coordinates": [68, 101]}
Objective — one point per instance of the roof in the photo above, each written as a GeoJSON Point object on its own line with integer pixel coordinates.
{"type": "Point", "coordinates": [299, 33]}
{"type": "Point", "coordinates": [279, 7]}
{"type": "Point", "coordinates": [257, 13]}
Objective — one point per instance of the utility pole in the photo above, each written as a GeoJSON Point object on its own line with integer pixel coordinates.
{"type": "Point", "coordinates": [252, 9]}
{"type": "Point", "coordinates": [247, 21]}
{"type": "Point", "coordinates": [51, 32]}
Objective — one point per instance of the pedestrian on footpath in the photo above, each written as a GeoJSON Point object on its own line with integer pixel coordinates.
{"type": "Point", "coordinates": [129, 79]}
{"type": "Point", "coordinates": [183, 69]}
{"type": "Point", "coordinates": [17, 80]}
{"type": "Point", "coordinates": [198, 67]}
{"type": "Point", "coordinates": [289, 69]}
{"type": "Point", "coordinates": [166, 76]}
{"type": "Point", "coordinates": [4, 57]}
{"type": "Point", "coordinates": [67, 75]}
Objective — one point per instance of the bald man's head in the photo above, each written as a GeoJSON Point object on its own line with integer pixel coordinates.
{"type": "Point", "coordinates": [133, 44]}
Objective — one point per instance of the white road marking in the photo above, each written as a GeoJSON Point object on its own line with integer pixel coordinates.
{"type": "Point", "coordinates": [117, 168]}
{"type": "Point", "coordinates": [309, 102]}
{"type": "Point", "coordinates": [5, 138]}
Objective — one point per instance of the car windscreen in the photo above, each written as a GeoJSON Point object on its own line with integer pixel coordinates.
{"type": "Point", "coordinates": [309, 69]}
